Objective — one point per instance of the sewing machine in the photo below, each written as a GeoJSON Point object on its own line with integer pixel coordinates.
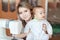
{"type": "Point", "coordinates": [13, 25]}
{"type": "Point", "coordinates": [3, 27]}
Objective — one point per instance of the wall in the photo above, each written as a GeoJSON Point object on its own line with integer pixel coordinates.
{"type": "Point", "coordinates": [8, 14]}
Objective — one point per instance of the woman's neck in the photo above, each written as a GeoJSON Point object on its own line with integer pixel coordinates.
{"type": "Point", "coordinates": [28, 20]}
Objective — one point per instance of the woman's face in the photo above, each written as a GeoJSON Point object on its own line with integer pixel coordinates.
{"type": "Point", "coordinates": [24, 13]}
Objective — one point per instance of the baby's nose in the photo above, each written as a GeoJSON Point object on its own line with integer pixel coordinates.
{"type": "Point", "coordinates": [43, 16]}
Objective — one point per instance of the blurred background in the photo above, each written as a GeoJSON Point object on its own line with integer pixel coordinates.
{"type": "Point", "coordinates": [8, 10]}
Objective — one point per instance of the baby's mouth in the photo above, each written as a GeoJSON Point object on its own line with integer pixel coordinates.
{"type": "Point", "coordinates": [43, 17]}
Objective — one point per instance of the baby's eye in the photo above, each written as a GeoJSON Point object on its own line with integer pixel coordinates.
{"type": "Point", "coordinates": [40, 13]}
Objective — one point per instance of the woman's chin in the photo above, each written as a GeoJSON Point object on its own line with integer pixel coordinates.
{"type": "Point", "coordinates": [26, 19]}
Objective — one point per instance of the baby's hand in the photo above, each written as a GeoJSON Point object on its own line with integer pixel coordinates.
{"type": "Point", "coordinates": [44, 28]}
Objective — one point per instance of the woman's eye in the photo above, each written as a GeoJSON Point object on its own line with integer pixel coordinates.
{"type": "Point", "coordinates": [20, 12]}
{"type": "Point", "coordinates": [25, 11]}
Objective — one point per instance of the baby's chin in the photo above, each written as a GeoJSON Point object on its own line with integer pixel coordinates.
{"type": "Point", "coordinates": [42, 18]}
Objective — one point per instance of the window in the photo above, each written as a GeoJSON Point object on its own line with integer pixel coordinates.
{"type": "Point", "coordinates": [5, 5]}
{"type": "Point", "coordinates": [12, 5]}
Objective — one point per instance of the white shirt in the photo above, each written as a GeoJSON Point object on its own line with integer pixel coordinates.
{"type": "Point", "coordinates": [3, 23]}
{"type": "Point", "coordinates": [36, 30]}
{"type": "Point", "coordinates": [15, 27]}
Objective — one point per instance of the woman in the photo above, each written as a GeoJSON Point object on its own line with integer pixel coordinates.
{"type": "Point", "coordinates": [24, 14]}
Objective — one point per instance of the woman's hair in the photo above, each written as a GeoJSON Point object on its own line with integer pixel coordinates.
{"type": "Point", "coordinates": [26, 5]}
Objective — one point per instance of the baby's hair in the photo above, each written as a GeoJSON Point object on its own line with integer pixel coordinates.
{"type": "Point", "coordinates": [36, 7]}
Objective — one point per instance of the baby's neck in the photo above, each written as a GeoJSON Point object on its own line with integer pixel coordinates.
{"type": "Point", "coordinates": [38, 18]}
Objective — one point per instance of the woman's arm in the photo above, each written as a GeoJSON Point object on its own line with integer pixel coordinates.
{"type": "Point", "coordinates": [26, 32]}
{"type": "Point", "coordinates": [21, 35]}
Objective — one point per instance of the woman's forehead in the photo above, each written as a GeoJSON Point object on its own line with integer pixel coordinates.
{"type": "Point", "coordinates": [23, 8]}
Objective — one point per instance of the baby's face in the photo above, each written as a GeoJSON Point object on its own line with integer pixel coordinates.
{"type": "Point", "coordinates": [40, 13]}
{"type": "Point", "coordinates": [24, 13]}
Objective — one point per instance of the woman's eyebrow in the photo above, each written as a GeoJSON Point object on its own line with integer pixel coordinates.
{"type": "Point", "coordinates": [25, 10]}
{"type": "Point", "coordinates": [20, 12]}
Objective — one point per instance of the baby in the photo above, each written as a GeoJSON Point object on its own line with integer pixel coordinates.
{"type": "Point", "coordinates": [39, 28]}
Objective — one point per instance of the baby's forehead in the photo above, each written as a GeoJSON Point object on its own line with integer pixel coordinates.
{"type": "Point", "coordinates": [39, 9]}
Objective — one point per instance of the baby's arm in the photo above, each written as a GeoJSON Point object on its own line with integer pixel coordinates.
{"type": "Point", "coordinates": [49, 30]}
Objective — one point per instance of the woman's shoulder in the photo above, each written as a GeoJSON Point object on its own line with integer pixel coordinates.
{"type": "Point", "coordinates": [31, 21]}
{"type": "Point", "coordinates": [16, 21]}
